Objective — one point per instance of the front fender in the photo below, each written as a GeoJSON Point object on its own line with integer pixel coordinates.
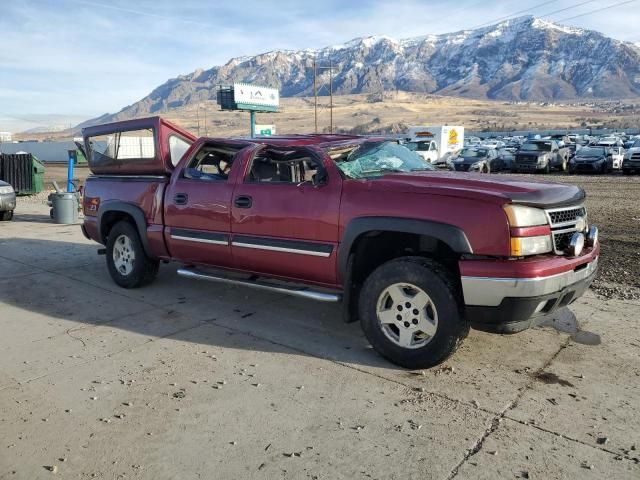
{"type": "Point", "coordinates": [452, 236]}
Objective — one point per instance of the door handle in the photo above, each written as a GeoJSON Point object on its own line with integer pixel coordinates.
{"type": "Point", "coordinates": [180, 198]}
{"type": "Point", "coordinates": [243, 201]}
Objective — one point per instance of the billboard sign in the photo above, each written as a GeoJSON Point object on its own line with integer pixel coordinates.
{"type": "Point", "coordinates": [255, 97]}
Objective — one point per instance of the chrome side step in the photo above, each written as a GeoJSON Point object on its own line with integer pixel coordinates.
{"type": "Point", "coordinates": [303, 292]}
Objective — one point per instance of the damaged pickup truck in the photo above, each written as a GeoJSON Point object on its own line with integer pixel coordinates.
{"type": "Point", "coordinates": [418, 256]}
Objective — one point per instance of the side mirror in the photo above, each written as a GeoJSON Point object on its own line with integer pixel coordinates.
{"type": "Point", "coordinates": [319, 179]}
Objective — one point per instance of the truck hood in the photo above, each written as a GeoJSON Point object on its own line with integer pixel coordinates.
{"type": "Point", "coordinates": [500, 190]}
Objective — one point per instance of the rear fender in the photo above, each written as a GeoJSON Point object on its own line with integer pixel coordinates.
{"type": "Point", "coordinates": [132, 211]}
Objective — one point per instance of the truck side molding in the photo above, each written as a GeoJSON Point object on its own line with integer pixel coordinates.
{"type": "Point", "coordinates": [451, 235]}
{"type": "Point", "coordinates": [135, 212]}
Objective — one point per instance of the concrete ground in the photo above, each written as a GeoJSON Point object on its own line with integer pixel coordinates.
{"type": "Point", "coordinates": [185, 380]}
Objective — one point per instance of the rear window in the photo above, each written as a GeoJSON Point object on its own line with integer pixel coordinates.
{"type": "Point", "coordinates": [122, 147]}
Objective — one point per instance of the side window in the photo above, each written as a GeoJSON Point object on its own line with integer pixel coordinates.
{"type": "Point", "coordinates": [282, 167]}
{"type": "Point", "coordinates": [118, 147]}
{"type": "Point", "coordinates": [177, 148]}
{"type": "Point", "coordinates": [212, 163]}
{"type": "Point", "coordinates": [433, 147]}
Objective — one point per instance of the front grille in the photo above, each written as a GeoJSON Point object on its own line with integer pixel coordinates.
{"type": "Point", "coordinates": [561, 217]}
{"type": "Point", "coordinates": [563, 225]}
{"type": "Point", "coordinates": [526, 159]}
{"type": "Point", "coordinates": [561, 240]}
{"type": "Point", "coordinates": [635, 156]}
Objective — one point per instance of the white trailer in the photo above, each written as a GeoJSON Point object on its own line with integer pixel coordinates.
{"type": "Point", "coordinates": [436, 143]}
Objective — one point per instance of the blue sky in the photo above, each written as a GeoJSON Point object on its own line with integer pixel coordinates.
{"type": "Point", "coordinates": [62, 61]}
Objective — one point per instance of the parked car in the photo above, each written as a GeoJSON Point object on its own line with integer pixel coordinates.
{"type": "Point", "coordinates": [631, 162]}
{"type": "Point", "coordinates": [592, 160]}
{"type": "Point", "coordinates": [477, 159]}
{"type": "Point", "coordinates": [540, 156]}
{"type": "Point", "coordinates": [416, 255]}
{"type": "Point", "coordinates": [7, 201]}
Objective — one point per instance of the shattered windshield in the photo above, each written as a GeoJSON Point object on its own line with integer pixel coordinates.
{"type": "Point", "coordinates": [373, 159]}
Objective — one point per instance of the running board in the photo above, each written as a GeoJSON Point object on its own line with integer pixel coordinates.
{"type": "Point", "coordinates": [296, 292]}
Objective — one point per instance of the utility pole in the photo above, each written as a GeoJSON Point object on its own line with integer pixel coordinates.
{"type": "Point", "coordinates": [315, 95]}
{"type": "Point", "coordinates": [330, 96]}
{"type": "Point", "coordinates": [198, 117]}
{"type": "Point", "coordinates": [206, 129]}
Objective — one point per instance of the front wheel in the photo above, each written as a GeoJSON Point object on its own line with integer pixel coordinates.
{"type": "Point", "coordinates": [410, 311]}
{"type": "Point", "coordinates": [6, 216]}
{"type": "Point", "coordinates": [128, 264]}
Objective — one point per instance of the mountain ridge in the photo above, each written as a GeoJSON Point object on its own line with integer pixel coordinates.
{"type": "Point", "coordinates": [525, 58]}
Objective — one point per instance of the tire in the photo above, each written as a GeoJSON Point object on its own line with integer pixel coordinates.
{"type": "Point", "coordinates": [405, 277]}
{"type": "Point", "coordinates": [626, 172]}
{"type": "Point", "coordinates": [564, 165]}
{"type": "Point", "coordinates": [6, 216]}
{"type": "Point", "coordinates": [135, 268]}
{"type": "Point", "coordinates": [514, 170]}
{"type": "Point", "coordinates": [547, 168]}
{"type": "Point", "coordinates": [485, 169]}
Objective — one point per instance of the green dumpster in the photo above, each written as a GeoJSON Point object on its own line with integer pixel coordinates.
{"type": "Point", "coordinates": [38, 176]}
{"type": "Point", "coordinates": [23, 171]}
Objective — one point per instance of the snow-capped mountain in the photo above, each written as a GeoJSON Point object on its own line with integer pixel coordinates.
{"type": "Point", "coordinates": [519, 59]}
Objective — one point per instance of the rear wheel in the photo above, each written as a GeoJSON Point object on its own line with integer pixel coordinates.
{"type": "Point", "coordinates": [410, 311]}
{"type": "Point", "coordinates": [128, 264]}
{"type": "Point", "coordinates": [6, 216]}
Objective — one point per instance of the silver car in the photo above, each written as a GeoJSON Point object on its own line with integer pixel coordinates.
{"type": "Point", "coordinates": [7, 201]}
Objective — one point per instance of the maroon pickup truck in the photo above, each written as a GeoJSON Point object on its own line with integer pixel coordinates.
{"type": "Point", "coordinates": [418, 256]}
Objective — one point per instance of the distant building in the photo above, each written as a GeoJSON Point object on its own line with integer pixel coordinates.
{"type": "Point", "coordinates": [46, 152]}
{"type": "Point", "coordinates": [5, 136]}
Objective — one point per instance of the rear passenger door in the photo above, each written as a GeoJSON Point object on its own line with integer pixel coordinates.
{"type": "Point", "coordinates": [282, 223]}
{"type": "Point", "coordinates": [198, 203]}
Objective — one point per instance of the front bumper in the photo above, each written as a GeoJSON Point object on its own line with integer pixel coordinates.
{"type": "Point", "coordinates": [511, 304]}
{"type": "Point", "coordinates": [590, 167]}
{"type": "Point", "coordinates": [527, 167]}
{"type": "Point", "coordinates": [7, 202]}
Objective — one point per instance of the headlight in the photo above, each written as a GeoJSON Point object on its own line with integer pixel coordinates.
{"type": "Point", "coordinates": [523, 246]}
{"type": "Point", "coordinates": [542, 159]}
{"type": "Point", "coordinates": [521, 216]}
{"type": "Point", "coordinates": [6, 189]}
{"type": "Point", "coordinates": [475, 166]}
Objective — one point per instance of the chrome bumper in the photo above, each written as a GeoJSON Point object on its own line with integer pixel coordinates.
{"type": "Point", "coordinates": [490, 292]}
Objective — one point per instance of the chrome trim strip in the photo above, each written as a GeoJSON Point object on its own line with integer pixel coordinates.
{"type": "Point", "coordinates": [136, 177]}
{"type": "Point", "coordinates": [489, 291]}
{"type": "Point", "coordinates": [302, 292]}
{"type": "Point", "coordinates": [201, 240]}
{"type": "Point", "coordinates": [281, 249]}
